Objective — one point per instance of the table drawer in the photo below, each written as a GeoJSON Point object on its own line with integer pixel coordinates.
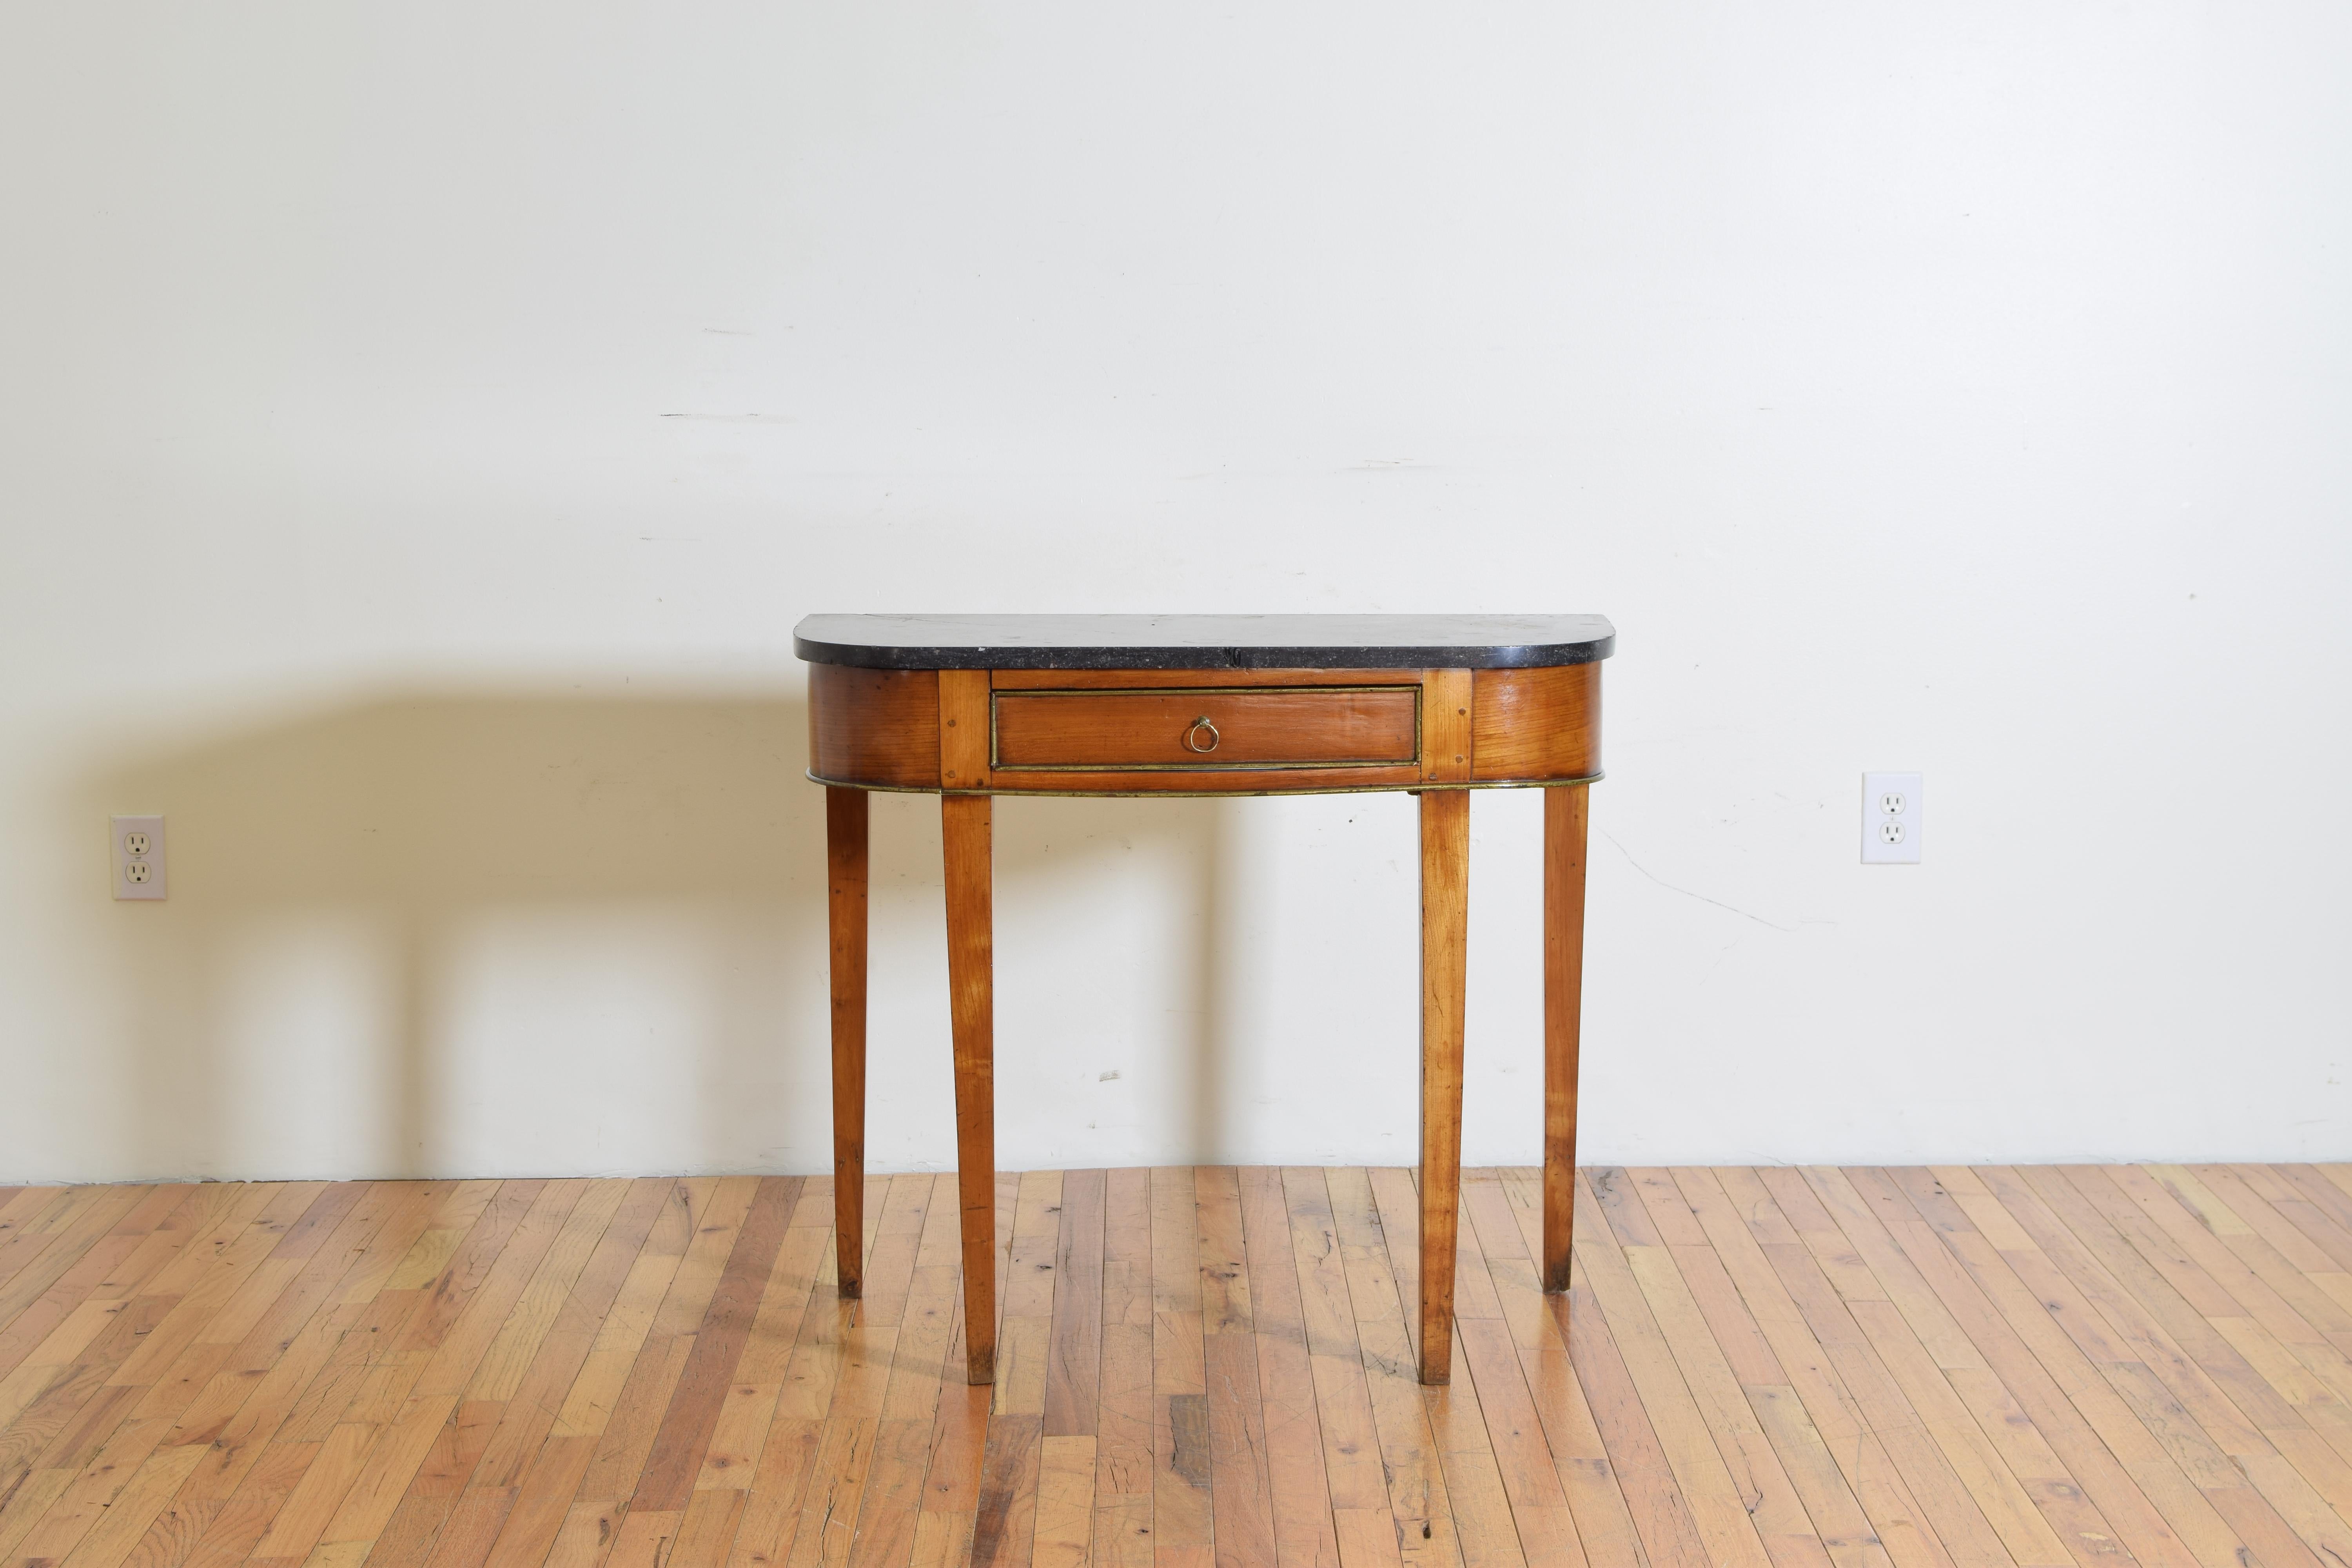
{"type": "Point", "coordinates": [1206, 727]}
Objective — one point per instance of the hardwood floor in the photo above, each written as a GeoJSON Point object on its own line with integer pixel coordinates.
{"type": "Point", "coordinates": [1771, 1368]}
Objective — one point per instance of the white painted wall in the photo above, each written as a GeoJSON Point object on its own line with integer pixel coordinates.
{"type": "Point", "coordinates": [421, 426]}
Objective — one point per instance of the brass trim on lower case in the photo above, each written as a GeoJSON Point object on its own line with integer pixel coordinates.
{"type": "Point", "coordinates": [1414, 788]}
{"type": "Point", "coordinates": [1204, 767]}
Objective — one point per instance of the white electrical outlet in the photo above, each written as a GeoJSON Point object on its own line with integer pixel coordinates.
{"type": "Point", "coordinates": [138, 856]}
{"type": "Point", "coordinates": [1891, 819]}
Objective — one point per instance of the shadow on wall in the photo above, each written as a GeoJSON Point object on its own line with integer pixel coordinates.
{"type": "Point", "coordinates": [462, 935]}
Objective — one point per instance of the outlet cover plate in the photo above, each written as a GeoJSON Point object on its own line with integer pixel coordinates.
{"type": "Point", "coordinates": [138, 872]}
{"type": "Point", "coordinates": [1893, 812]}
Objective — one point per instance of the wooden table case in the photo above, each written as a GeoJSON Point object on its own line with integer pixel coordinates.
{"type": "Point", "coordinates": [969, 707]}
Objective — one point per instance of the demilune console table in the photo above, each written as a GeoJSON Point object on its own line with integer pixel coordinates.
{"type": "Point", "coordinates": [967, 707]}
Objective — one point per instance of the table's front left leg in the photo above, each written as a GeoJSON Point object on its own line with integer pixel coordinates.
{"type": "Point", "coordinates": [965, 822]}
{"type": "Point", "coordinates": [846, 875]}
{"type": "Point", "coordinates": [1445, 953]}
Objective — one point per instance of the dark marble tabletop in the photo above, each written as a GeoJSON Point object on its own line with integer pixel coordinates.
{"type": "Point", "coordinates": [1203, 642]}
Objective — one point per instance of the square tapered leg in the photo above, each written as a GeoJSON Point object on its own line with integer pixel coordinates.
{"type": "Point", "coordinates": [965, 829]}
{"type": "Point", "coordinates": [1565, 813]}
{"type": "Point", "coordinates": [845, 878]}
{"type": "Point", "coordinates": [1444, 951]}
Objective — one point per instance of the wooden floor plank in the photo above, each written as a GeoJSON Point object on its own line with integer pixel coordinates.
{"type": "Point", "coordinates": [26, 1213]}
{"type": "Point", "coordinates": [960, 1418]}
{"type": "Point", "coordinates": [483, 1319]}
{"type": "Point", "coordinates": [1241, 1489]}
{"type": "Point", "coordinates": [898, 1219]}
{"type": "Point", "coordinates": [597, 1387]}
{"type": "Point", "coordinates": [1074, 1372]}
{"type": "Point", "coordinates": [84, 1405]}
{"type": "Point", "coordinates": [1906, 1368]}
{"type": "Point", "coordinates": [39, 1252]}
{"type": "Point", "coordinates": [778, 1489]}
{"type": "Point", "coordinates": [270, 1369]}
{"type": "Point", "coordinates": [1605, 1525]}
{"type": "Point", "coordinates": [1352, 1460]}
{"type": "Point", "coordinates": [1064, 1533]}
{"type": "Point", "coordinates": [1607, 1233]}
{"type": "Point", "coordinates": [1993, 1444]}
{"type": "Point", "coordinates": [2119, 1468]}
{"type": "Point", "coordinates": [610, 1225]}
{"type": "Point", "coordinates": [1931, 1490]}
{"type": "Point", "coordinates": [110, 1269]}
{"type": "Point", "coordinates": [1003, 1528]}
{"type": "Point", "coordinates": [686, 1430]}
{"type": "Point", "coordinates": [1299, 1486]}
{"type": "Point", "coordinates": [1669, 1531]}
{"type": "Point", "coordinates": [1837, 1516]}
{"type": "Point", "coordinates": [1783, 1521]}
{"type": "Point", "coordinates": [1418, 1499]}
{"type": "Point", "coordinates": [2191, 1365]}
{"type": "Point", "coordinates": [1123, 1405]}
{"type": "Point", "coordinates": [902, 1444]}
{"type": "Point", "coordinates": [1507, 1503]}
{"type": "Point", "coordinates": [2328, 1206]}
{"type": "Point", "coordinates": [1024, 1333]}
{"type": "Point", "coordinates": [1183, 1528]}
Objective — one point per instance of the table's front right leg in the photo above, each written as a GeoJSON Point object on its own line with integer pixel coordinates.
{"type": "Point", "coordinates": [846, 862]}
{"type": "Point", "coordinates": [965, 830]}
{"type": "Point", "coordinates": [1445, 960]}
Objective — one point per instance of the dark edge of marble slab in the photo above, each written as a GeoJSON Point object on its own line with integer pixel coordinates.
{"type": "Point", "coordinates": [1345, 655]}
{"type": "Point", "coordinates": [1538, 656]}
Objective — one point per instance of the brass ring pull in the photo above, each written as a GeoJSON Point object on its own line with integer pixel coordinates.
{"type": "Point", "coordinates": [1193, 735]}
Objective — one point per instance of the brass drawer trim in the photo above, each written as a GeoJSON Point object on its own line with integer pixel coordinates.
{"type": "Point", "coordinates": [996, 696]}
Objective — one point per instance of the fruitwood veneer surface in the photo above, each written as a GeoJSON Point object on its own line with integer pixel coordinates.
{"type": "Point", "coordinates": [972, 707]}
